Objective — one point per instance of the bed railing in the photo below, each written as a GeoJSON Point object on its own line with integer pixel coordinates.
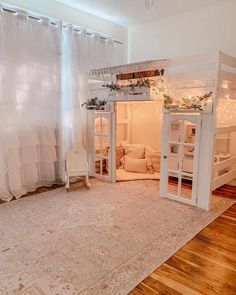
{"type": "Point", "coordinates": [228, 172]}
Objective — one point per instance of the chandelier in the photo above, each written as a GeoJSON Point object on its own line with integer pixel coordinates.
{"type": "Point", "coordinates": [148, 4]}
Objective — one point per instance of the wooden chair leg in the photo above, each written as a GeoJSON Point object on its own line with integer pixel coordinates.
{"type": "Point", "coordinates": [67, 182]}
{"type": "Point", "coordinates": [88, 184]}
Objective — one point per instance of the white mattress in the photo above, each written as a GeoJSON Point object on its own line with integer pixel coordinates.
{"type": "Point", "coordinates": [122, 175]}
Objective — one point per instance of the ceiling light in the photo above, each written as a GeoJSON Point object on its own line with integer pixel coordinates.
{"type": "Point", "coordinates": [149, 4]}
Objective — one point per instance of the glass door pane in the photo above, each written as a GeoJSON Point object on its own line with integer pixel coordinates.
{"type": "Point", "coordinates": [105, 145]}
{"type": "Point", "coordinates": [173, 157]}
{"type": "Point", "coordinates": [105, 126]}
{"type": "Point", "coordinates": [97, 145]}
{"type": "Point", "coordinates": [105, 167]}
{"type": "Point", "coordinates": [97, 125]}
{"type": "Point", "coordinates": [189, 132]}
{"type": "Point", "coordinates": [188, 159]}
{"type": "Point", "coordinates": [174, 131]}
{"type": "Point", "coordinates": [173, 184]}
{"type": "Point", "coordinates": [97, 165]}
{"type": "Point", "coordinates": [186, 188]}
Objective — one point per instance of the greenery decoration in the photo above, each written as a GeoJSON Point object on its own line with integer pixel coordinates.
{"type": "Point", "coordinates": [187, 103]}
{"type": "Point", "coordinates": [95, 104]}
{"type": "Point", "coordinates": [158, 86]}
{"type": "Point", "coordinates": [139, 83]}
{"type": "Point", "coordinates": [113, 86]}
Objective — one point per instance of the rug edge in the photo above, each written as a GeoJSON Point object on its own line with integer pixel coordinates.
{"type": "Point", "coordinates": [126, 290]}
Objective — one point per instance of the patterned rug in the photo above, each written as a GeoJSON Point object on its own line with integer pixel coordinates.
{"type": "Point", "coordinates": [104, 240]}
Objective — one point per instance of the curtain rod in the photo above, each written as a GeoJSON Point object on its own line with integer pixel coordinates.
{"type": "Point", "coordinates": [56, 22]}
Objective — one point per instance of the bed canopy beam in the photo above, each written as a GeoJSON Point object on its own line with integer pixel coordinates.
{"type": "Point", "coordinates": [132, 67]}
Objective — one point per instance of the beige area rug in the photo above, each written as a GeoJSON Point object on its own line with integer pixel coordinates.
{"type": "Point", "coordinates": [93, 242]}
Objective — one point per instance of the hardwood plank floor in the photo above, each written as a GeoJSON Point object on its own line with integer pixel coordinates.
{"type": "Point", "coordinates": [40, 190]}
{"type": "Point", "coordinates": [205, 265]}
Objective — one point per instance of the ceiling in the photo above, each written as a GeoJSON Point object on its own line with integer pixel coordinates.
{"type": "Point", "coordinates": [133, 12]}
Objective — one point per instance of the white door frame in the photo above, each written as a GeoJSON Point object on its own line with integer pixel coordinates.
{"type": "Point", "coordinates": [167, 119]}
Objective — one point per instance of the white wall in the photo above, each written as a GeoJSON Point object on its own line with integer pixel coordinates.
{"type": "Point", "coordinates": [203, 30]}
{"type": "Point", "coordinates": [63, 12]}
{"type": "Point", "coordinates": [145, 123]}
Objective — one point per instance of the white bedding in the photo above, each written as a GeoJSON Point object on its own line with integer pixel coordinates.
{"type": "Point", "coordinates": [122, 175]}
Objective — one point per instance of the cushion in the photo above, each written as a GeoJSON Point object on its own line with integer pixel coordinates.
{"type": "Point", "coordinates": [154, 158]}
{"type": "Point", "coordinates": [135, 151]}
{"type": "Point", "coordinates": [119, 156]}
{"type": "Point", "coordinates": [135, 165]}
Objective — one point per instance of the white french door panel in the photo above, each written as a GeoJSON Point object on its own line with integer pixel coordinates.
{"type": "Point", "coordinates": [100, 125]}
{"type": "Point", "coordinates": [179, 163]}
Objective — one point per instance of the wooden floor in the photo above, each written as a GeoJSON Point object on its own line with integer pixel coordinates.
{"type": "Point", "coordinates": [205, 265]}
{"type": "Point", "coordinates": [39, 190]}
{"type": "Point", "coordinates": [225, 191]}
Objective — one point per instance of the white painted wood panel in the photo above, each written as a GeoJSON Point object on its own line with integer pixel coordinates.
{"type": "Point", "coordinates": [224, 164]}
{"type": "Point", "coordinates": [223, 179]}
{"type": "Point", "coordinates": [228, 60]}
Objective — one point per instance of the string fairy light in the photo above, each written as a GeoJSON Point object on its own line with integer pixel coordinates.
{"type": "Point", "coordinates": [226, 112]}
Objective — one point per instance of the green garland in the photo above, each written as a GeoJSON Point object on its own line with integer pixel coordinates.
{"type": "Point", "coordinates": [187, 103]}
{"type": "Point", "coordinates": [94, 103]}
{"type": "Point", "coordinates": [140, 83]}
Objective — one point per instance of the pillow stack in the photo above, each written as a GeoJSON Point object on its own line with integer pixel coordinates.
{"type": "Point", "coordinates": [137, 158]}
{"type": "Point", "coordinates": [135, 151]}
{"type": "Point", "coordinates": [134, 158]}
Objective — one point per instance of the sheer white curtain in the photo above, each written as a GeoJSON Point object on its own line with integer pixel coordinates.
{"type": "Point", "coordinates": [43, 82]}
{"type": "Point", "coordinates": [29, 104]}
{"type": "Point", "coordinates": [81, 53]}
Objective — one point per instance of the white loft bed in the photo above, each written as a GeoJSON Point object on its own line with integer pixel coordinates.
{"type": "Point", "coordinates": [185, 78]}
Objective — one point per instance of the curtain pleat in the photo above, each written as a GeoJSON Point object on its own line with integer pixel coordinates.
{"type": "Point", "coordinates": [29, 104]}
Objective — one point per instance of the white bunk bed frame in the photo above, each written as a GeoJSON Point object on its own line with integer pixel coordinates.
{"type": "Point", "coordinates": [206, 73]}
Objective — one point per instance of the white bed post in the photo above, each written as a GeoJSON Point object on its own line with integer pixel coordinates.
{"type": "Point", "coordinates": [113, 142]}
{"type": "Point", "coordinates": [206, 155]}
{"type": "Point", "coordinates": [90, 143]}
